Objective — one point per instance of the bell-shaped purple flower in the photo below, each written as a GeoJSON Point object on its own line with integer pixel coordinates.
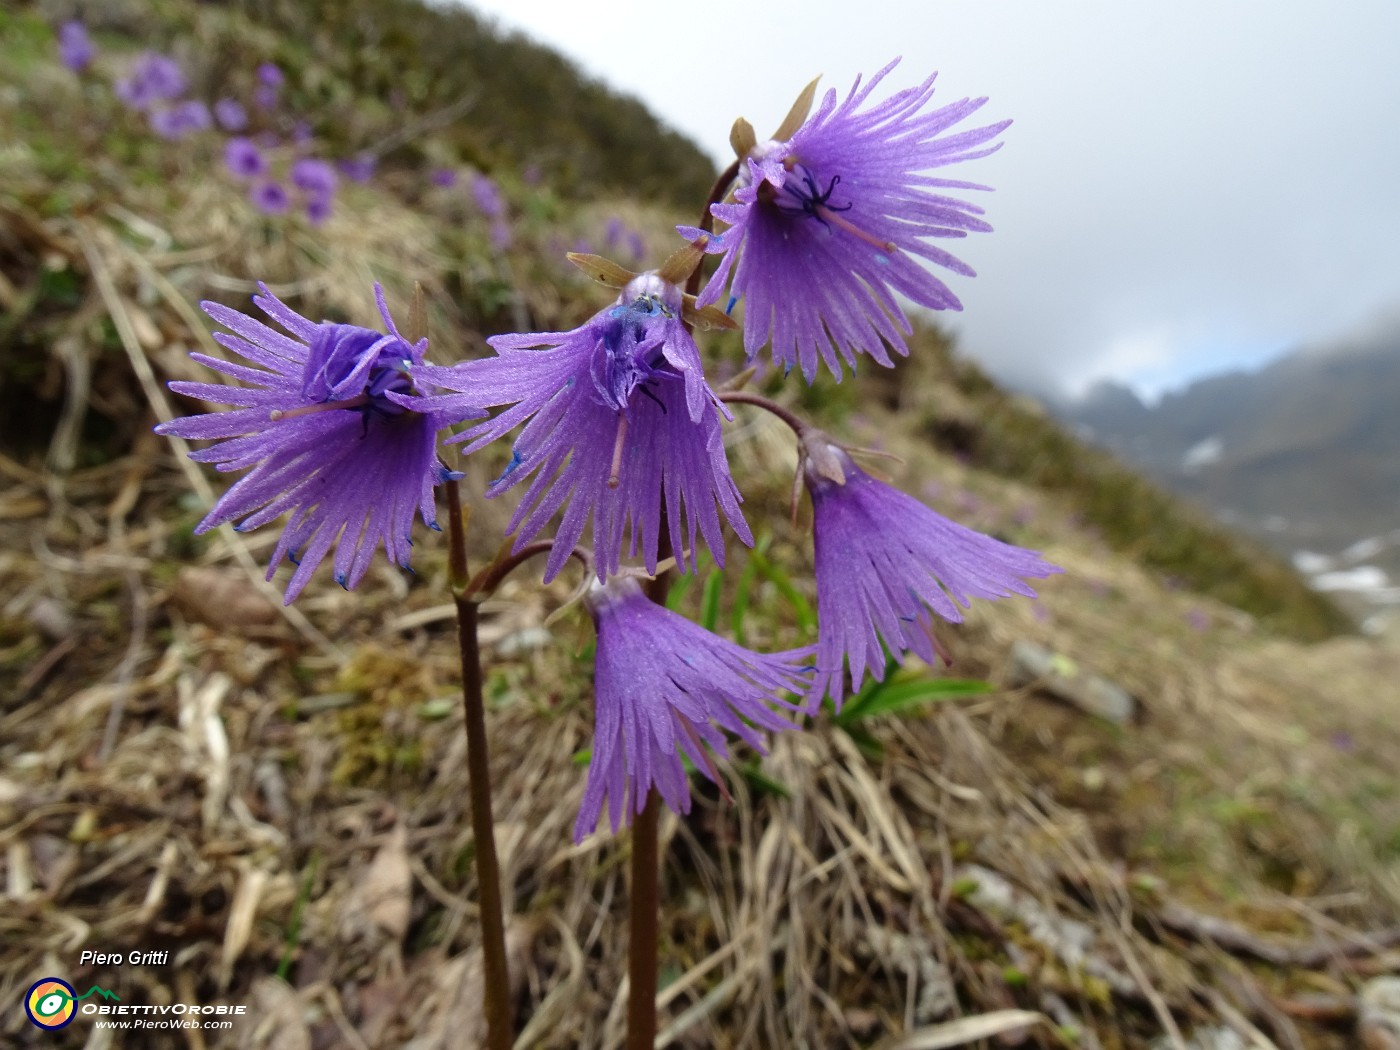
{"type": "Point", "coordinates": [620, 420]}
{"type": "Point", "coordinates": [665, 688]}
{"type": "Point", "coordinates": [885, 564]}
{"type": "Point", "coordinates": [328, 428]}
{"type": "Point", "coordinates": [832, 221]}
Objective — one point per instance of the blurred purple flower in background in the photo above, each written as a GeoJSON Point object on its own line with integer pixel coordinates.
{"type": "Point", "coordinates": [181, 119]}
{"type": "Point", "coordinates": [316, 177]}
{"type": "Point", "coordinates": [500, 234]}
{"type": "Point", "coordinates": [270, 198]}
{"type": "Point", "coordinates": [243, 159]}
{"type": "Point", "coordinates": [230, 114]}
{"type": "Point", "coordinates": [154, 78]}
{"type": "Point", "coordinates": [488, 197]}
{"type": "Point", "coordinates": [443, 177]}
{"type": "Point", "coordinates": [318, 209]}
{"type": "Point", "coordinates": [269, 89]}
{"type": "Point", "coordinates": [613, 230]}
{"type": "Point", "coordinates": [75, 49]}
{"type": "Point", "coordinates": [359, 168]}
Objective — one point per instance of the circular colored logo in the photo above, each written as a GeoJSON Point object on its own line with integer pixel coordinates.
{"type": "Point", "coordinates": [51, 1003]}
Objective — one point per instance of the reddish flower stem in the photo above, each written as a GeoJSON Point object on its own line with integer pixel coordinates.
{"type": "Point", "coordinates": [743, 397]}
{"type": "Point", "coordinates": [499, 1029]}
{"type": "Point", "coordinates": [644, 904]}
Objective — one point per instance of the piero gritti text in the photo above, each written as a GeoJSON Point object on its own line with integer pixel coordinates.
{"type": "Point", "coordinates": [132, 958]}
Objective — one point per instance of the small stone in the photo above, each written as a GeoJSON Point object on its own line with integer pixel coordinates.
{"type": "Point", "coordinates": [1061, 677]}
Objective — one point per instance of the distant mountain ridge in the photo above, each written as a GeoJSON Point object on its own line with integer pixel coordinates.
{"type": "Point", "coordinates": [1304, 453]}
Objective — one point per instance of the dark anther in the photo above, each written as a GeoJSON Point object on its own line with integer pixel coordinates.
{"type": "Point", "coordinates": [813, 200]}
{"type": "Point", "coordinates": [644, 389]}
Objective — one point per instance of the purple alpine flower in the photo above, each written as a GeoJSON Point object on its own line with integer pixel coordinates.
{"type": "Point", "coordinates": [488, 197]}
{"type": "Point", "coordinates": [665, 688]}
{"type": "Point", "coordinates": [318, 209]}
{"type": "Point", "coordinates": [836, 216]}
{"type": "Point", "coordinates": [270, 198]}
{"type": "Point", "coordinates": [154, 78]}
{"type": "Point", "coordinates": [328, 429]}
{"type": "Point", "coordinates": [444, 178]}
{"type": "Point", "coordinates": [243, 159]}
{"type": "Point", "coordinates": [268, 92]}
{"type": "Point", "coordinates": [230, 114]}
{"type": "Point", "coordinates": [359, 168]}
{"type": "Point", "coordinates": [75, 48]}
{"type": "Point", "coordinates": [181, 119]}
{"type": "Point", "coordinates": [620, 419]}
{"type": "Point", "coordinates": [885, 563]}
{"type": "Point", "coordinates": [315, 177]}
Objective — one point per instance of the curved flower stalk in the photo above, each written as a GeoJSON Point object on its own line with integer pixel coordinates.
{"type": "Point", "coordinates": [667, 688]}
{"type": "Point", "coordinates": [836, 215]}
{"type": "Point", "coordinates": [885, 563]}
{"type": "Point", "coordinates": [620, 419]}
{"type": "Point", "coordinates": [328, 428]}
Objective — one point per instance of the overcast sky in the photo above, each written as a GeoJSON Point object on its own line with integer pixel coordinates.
{"type": "Point", "coordinates": [1189, 185]}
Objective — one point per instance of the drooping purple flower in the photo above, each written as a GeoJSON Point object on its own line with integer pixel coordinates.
{"type": "Point", "coordinates": [181, 119]}
{"type": "Point", "coordinates": [230, 114]}
{"type": "Point", "coordinates": [885, 563]}
{"type": "Point", "coordinates": [328, 428]}
{"type": "Point", "coordinates": [270, 198]}
{"type": "Point", "coordinates": [359, 168]}
{"type": "Point", "coordinates": [153, 78]}
{"type": "Point", "coordinates": [620, 419]}
{"type": "Point", "coordinates": [666, 688]}
{"type": "Point", "coordinates": [828, 224]}
{"type": "Point", "coordinates": [243, 159]}
{"type": "Point", "coordinates": [315, 177]}
{"type": "Point", "coordinates": [487, 196]}
{"type": "Point", "coordinates": [75, 47]}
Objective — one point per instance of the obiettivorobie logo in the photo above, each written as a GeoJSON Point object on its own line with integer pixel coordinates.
{"type": "Point", "coordinates": [52, 1003]}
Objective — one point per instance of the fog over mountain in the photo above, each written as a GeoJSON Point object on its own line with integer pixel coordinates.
{"type": "Point", "coordinates": [1304, 452]}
